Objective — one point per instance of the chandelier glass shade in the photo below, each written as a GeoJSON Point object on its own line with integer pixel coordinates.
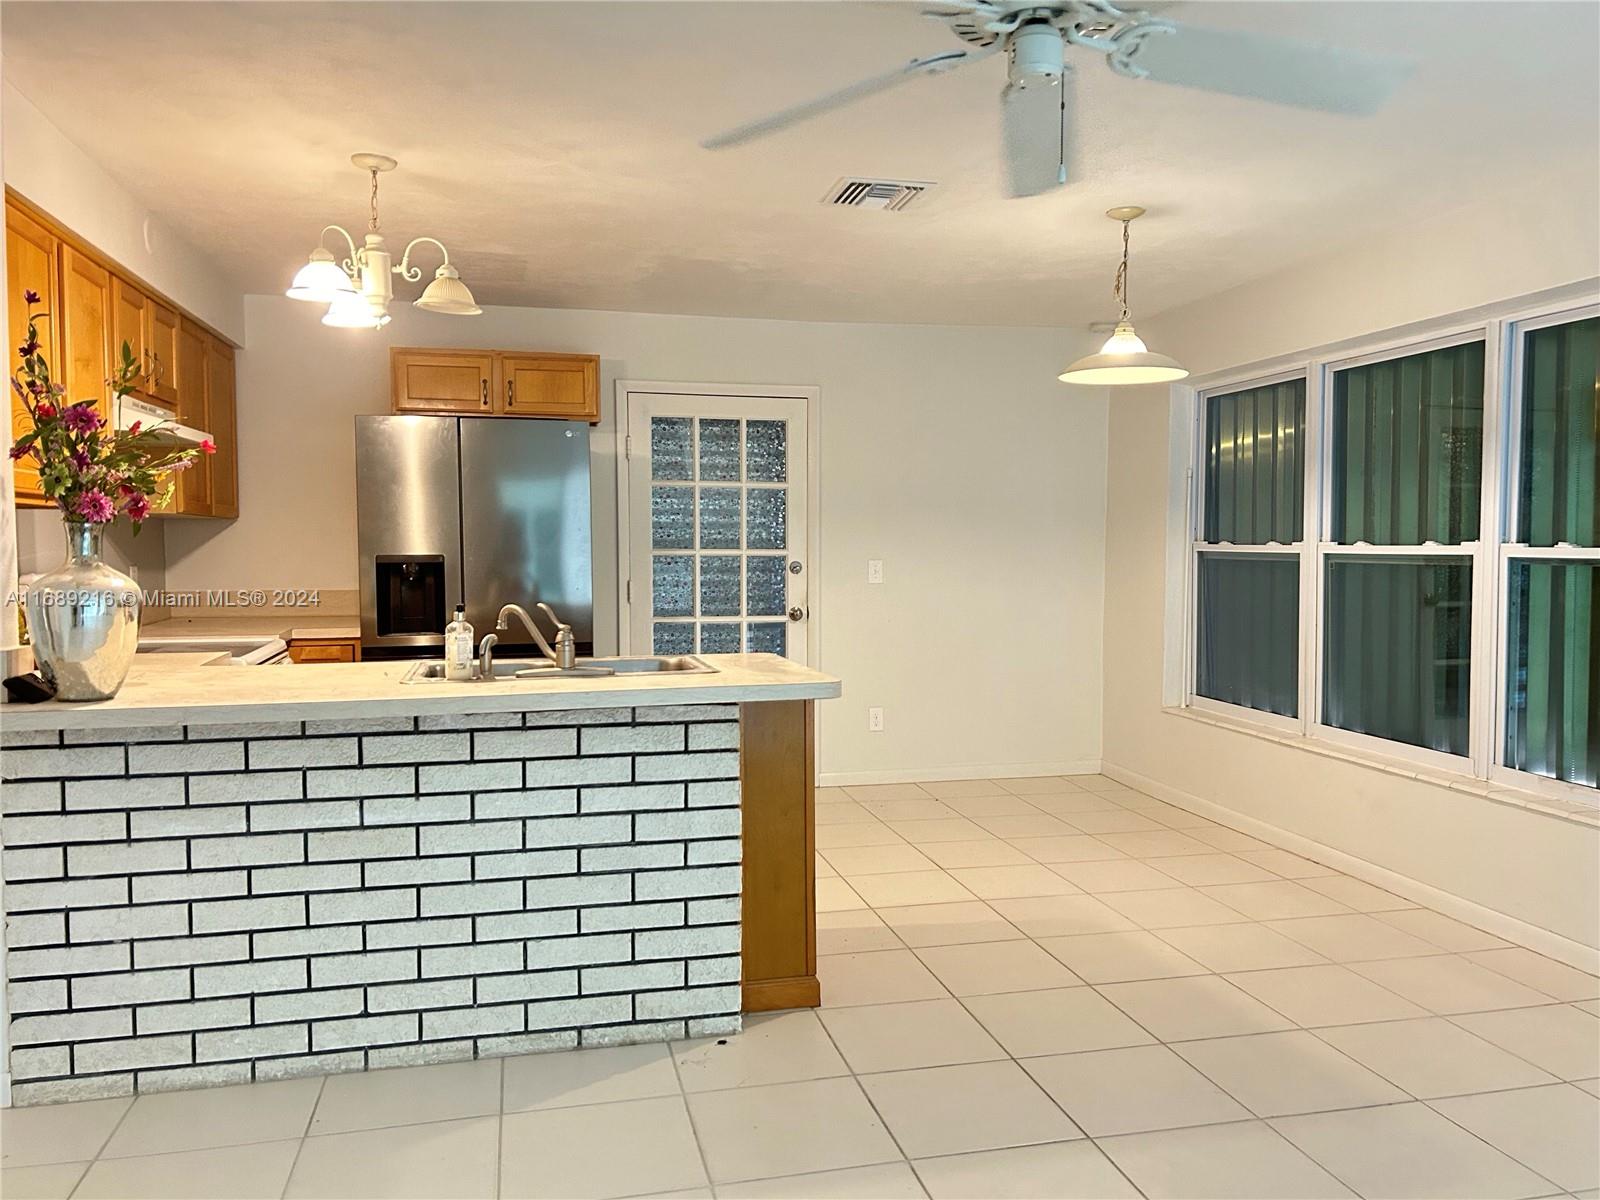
{"type": "Point", "coordinates": [1124, 358]}
{"type": "Point", "coordinates": [358, 290]}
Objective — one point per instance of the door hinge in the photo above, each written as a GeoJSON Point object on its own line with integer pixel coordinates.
{"type": "Point", "coordinates": [627, 591]}
{"type": "Point", "coordinates": [627, 447]}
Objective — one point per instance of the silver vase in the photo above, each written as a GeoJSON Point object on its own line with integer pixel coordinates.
{"type": "Point", "coordinates": [83, 619]}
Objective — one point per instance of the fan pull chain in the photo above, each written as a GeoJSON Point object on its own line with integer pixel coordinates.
{"type": "Point", "coordinates": [1061, 172]}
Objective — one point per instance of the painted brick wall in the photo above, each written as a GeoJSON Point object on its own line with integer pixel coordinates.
{"type": "Point", "coordinates": [212, 904]}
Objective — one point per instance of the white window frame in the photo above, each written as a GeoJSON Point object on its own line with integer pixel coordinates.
{"type": "Point", "coordinates": [1501, 328]}
{"type": "Point", "coordinates": [1507, 551]}
{"type": "Point", "coordinates": [1197, 547]}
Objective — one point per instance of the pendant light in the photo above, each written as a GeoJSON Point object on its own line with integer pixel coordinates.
{"type": "Point", "coordinates": [1124, 359]}
{"type": "Point", "coordinates": [358, 291]}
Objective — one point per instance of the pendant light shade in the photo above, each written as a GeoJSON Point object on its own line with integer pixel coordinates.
{"type": "Point", "coordinates": [1124, 359]}
{"type": "Point", "coordinates": [320, 280]}
{"type": "Point", "coordinates": [447, 294]}
{"type": "Point", "coordinates": [351, 310]}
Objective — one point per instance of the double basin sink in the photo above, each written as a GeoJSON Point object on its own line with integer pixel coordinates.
{"type": "Point", "coordinates": [587, 668]}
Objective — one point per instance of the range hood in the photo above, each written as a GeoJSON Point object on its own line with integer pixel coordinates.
{"type": "Point", "coordinates": [149, 416]}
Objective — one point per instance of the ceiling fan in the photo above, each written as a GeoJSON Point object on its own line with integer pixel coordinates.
{"type": "Point", "coordinates": [1137, 44]}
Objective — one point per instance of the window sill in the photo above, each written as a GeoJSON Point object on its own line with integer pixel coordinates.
{"type": "Point", "coordinates": [1577, 811]}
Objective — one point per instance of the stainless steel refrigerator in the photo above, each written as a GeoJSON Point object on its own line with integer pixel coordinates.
{"type": "Point", "coordinates": [480, 511]}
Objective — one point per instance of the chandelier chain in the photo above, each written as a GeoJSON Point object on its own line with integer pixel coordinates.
{"type": "Point", "coordinates": [1120, 289]}
{"type": "Point", "coordinates": [372, 220]}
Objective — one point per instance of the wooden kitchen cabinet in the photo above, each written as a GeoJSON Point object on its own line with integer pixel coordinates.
{"type": "Point", "coordinates": [84, 364]}
{"type": "Point", "coordinates": [550, 385]}
{"type": "Point", "coordinates": [94, 306]}
{"type": "Point", "coordinates": [496, 383]}
{"type": "Point", "coordinates": [325, 650]}
{"type": "Point", "coordinates": [222, 424]}
{"type": "Point", "coordinates": [161, 341]}
{"type": "Point", "coordinates": [32, 264]}
{"type": "Point", "coordinates": [442, 381]}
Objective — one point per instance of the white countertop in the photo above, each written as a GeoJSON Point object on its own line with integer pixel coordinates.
{"type": "Point", "coordinates": [191, 689]}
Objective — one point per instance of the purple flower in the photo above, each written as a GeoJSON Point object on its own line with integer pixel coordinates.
{"type": "Point", "coordinates": [81, 418]}
{"type": "Point", "coordinates": [80, 459]}
{"type": "Point", "coordinates": [28, 348]}
{"type": "Point", "coordinates": [94, 505]}
{"type": "Point", "coordinates": [30, 296]}
{"type": "Point", "coordinates": [17, 452]}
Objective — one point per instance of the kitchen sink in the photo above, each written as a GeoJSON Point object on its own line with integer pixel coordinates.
{"type": "Point", "coordinates": [587, 668]}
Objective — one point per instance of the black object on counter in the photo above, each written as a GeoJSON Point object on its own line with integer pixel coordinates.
{"type": "Point", "coordinates": [29, 689]}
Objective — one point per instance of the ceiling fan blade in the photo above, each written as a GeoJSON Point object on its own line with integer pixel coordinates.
{"type": "Point", "coordinates": [1037, 136]}
{"type": "Point", "coordinates": [933, 64]}
{"type": "Point", "coordinates": [1280, 70]}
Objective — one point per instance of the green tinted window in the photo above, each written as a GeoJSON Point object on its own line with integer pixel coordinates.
{"type": "Point", "coordinates": [1254, 484]}
{"type": "Point", "coordinates": [1553, 670]}
{"type": "Point", "coordinates": [1560, 435]}
{"type": "Point", "coordinates": [1408, 448]}
{"type": "Point", "coordinates": [1248, 635]}
{"type": "Point", "coordinates": [1398, 635]}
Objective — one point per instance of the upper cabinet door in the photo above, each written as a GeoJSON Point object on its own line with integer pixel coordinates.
{"type": "Point", "coordinates": [550, 385]}
{"type": "Point", "coordinates": [193, 497]}
{"type": "Point", "coordinates": [85, 366]}
{"type": "Point", "coordinates": [130, 326]}
{"type": "Point", "coordinates": [161, 340]}
{"type": "Point", "coordinates": [221, 423]}
{"type": "Point", "coordinates": [442, 381]}
{"type": "Point", "coordinates": [32, 258]}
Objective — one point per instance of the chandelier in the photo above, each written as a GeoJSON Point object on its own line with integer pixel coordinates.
{"type": "Point", "coordinates": [358, 290]}
{"type": "Point", "coordinates": [1124, 359]}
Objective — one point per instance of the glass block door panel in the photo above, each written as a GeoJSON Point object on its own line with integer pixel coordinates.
{"type": "Point", "coordinates": [723, 527]}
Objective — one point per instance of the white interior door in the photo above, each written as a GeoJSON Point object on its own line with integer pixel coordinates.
{"type": "Point", "coordinates": [717, 524]}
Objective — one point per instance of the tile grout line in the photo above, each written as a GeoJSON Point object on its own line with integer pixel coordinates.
{"type": "Point", "coordinates": [311, 1116]}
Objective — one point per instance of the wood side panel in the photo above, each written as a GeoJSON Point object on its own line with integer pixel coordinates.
{"type": "Point", "coordinates": [777, 776]}
{"type": "Point", "coordinates": [222, 423]}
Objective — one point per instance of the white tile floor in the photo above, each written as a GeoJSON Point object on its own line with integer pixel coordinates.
{"type": "Point", "coordinates": [1046, 987]}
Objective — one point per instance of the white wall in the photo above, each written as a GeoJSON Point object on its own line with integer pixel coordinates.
{"type": "Point", "coordinates": [953, 454]}
{"type": "Point", "coordinates": [54, 174]}
{"type": "Point", "coordinates": [1534, 868]}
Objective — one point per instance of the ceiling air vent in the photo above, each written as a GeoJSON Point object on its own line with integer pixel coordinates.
{"type": "Point", "coordinates": [891, 194]}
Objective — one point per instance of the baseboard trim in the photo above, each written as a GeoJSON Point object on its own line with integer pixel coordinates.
{"type": "Point", "coordinates": [771, 995]}
{"type": "Point", "coordinates": [1514, 929]}
{"type": "Point", "coordinates": [1082, 766]}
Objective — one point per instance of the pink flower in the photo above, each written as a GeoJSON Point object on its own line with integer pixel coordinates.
{"type": "Point", "coordinates": [138, 507]}
{"type": "Point", "coordinates": [45, 411]}
{"type": "Point", "coordinates": [94, 505]}
{"type": "Point", "coordinates": [134, 428]}
{"type": "Point", "coordinates": [81, 418]}
{"type": "Point", "coordinates": [183, 464]}
{"type": "Point", "coordinates": [207, 446]}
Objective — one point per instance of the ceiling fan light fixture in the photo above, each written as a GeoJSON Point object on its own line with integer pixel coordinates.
{"type": "Point", "coordinates": [1124, 359]}
{"type": "Point", "coordinates": [320, 280]}
{"type": "Point", "coordinates": [447, 294]}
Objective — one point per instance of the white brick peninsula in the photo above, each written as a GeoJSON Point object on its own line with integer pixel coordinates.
{"type": "Point", "coordinates": [233, 873]}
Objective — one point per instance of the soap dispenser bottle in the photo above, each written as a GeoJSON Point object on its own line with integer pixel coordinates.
{"type": "Point", "coordinates": [458, 651]}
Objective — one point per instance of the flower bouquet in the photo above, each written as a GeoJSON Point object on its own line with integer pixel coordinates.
{"type": "Point", "coordinates": [83, 618]}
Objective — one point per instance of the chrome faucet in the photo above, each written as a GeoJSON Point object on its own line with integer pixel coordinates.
{"type": "Point", "coordinates": [565, 653]}
{"type": "Point", "coordinates": [486, 656]}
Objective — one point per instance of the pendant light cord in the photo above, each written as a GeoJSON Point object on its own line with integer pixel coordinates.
{"type": "Point", "coordinates": [1120, 290]}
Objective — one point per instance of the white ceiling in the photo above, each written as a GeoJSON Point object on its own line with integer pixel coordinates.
{"type": "Point", "coordinates": [553, 147]}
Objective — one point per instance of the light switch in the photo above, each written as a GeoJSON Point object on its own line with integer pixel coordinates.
{"type": "Point", "coordinates": [874, 570]}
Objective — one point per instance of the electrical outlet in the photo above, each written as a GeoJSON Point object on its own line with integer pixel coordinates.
{"type": "Point", "coordinates": [874, 570]}
{"type": "Point", "coordinates": [874, 720]}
